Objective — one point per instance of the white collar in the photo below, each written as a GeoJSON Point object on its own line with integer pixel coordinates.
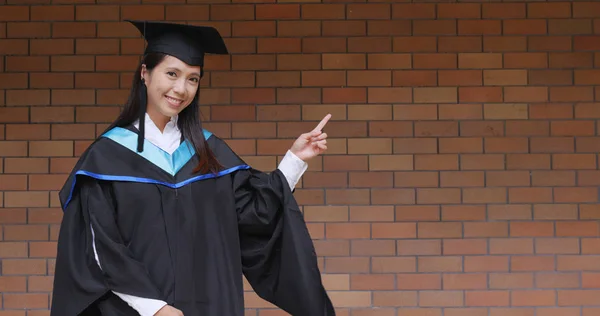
{"type": "Point", "coordinates": [168, 140]}
{"type": "Point", "coordinates": [147, 120]}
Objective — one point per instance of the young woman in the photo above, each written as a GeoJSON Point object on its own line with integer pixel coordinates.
{"type": "Point", "coordinates": [162, 218]}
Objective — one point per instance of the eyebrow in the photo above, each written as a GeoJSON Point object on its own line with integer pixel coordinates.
{"type": "Point", "coordinates": [179, 70]}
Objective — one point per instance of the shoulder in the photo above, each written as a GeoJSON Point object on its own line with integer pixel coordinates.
{"type": "Point", "coordinates": [98, 155]}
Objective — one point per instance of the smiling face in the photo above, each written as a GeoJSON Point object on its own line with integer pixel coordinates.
{"type": "Point", "coordinates": [171, 86]}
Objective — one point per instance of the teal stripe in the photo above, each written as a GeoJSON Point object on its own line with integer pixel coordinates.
{"type": "Point", "coordinates": [170, 163]}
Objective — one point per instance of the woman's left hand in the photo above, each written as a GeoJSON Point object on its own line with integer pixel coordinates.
{"type": "Point", "coordinates": [313, 143]}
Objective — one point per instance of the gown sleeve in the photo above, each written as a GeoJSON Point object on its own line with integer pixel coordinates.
{"type": "Point", "coordinates": [92, 258]}
{"type": "Point", "coordinates": [122, 272]}
{"type": "Point", "coordinates": [278, 256]}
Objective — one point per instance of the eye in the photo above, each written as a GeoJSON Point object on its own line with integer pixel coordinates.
{"type": "Point", "coordinates": [194, 79]}
{"type": "Point", "coordinates": [171, 73]}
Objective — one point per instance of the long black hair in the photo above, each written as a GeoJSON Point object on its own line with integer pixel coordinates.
{"type": "Point", "coordinates": [188, 121]}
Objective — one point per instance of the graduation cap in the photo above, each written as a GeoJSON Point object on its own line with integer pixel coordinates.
{"type": "Point", "coordinates": [189, 43]}
{"type": "Point", "coordinates": [186, 42]}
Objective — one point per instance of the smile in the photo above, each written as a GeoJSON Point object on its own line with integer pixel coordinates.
{"type": "Point", "coordinates": [173, 101]}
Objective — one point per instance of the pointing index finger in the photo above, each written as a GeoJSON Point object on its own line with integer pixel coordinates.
{"type": "Point", "coordinates": [322, 123]}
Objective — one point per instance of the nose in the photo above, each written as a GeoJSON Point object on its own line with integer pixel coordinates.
{"type": "Point", "coordinates": [179, 87]}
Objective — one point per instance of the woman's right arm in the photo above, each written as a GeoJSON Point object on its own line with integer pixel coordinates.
{"type": "Point", "coordinates": [124, 275]}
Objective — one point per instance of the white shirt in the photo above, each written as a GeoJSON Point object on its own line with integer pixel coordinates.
{"type": "Point", "coordinates": [169, 140]}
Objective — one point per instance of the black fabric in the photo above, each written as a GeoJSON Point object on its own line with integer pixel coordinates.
{"type": "Point", "coordinates": [188, 246]}
{"type": "Point", "coordinates": [143, 95]}
{"type": "Point", "coordinates": [188, 43]}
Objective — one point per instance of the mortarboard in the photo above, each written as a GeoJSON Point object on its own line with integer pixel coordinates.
{"type": "Point", "coordinates": [189, 43]}
{"type": "Point", "coordinates": [186, 42]}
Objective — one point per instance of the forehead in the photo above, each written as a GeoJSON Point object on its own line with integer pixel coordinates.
{"type": "Point", "coordinates": [173, 62]}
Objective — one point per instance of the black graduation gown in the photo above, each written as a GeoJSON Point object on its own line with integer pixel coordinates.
{"type": "Point", "coordinates": [162, 232]}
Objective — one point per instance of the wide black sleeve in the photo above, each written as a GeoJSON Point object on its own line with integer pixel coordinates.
{"type": "Point", "coordinates": [278, 255]}
{"type": "Point", "coordinates": [89, 225]}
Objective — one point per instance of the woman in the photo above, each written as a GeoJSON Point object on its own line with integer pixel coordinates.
{"type": "Point", "coordinates": [162, 218]}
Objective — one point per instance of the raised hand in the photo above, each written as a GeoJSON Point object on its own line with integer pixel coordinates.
{"type": "Point", "coordinates": [313, 143]}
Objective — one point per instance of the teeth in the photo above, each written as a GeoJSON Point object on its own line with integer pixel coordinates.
{"type": "Point", "coordinates": [174, 100]}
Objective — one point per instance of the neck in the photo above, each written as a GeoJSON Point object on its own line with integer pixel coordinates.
{"type": "Point", "coordinates": [158, 119]}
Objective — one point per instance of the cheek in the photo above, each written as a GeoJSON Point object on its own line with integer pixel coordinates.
{"type": "Point", "coordinates": [159, 87]}
{"type": "Point", "coordinates": [191, 91]}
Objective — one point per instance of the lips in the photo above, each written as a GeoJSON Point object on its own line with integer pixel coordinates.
{"type": "Point", "coordinates": [174, 102]}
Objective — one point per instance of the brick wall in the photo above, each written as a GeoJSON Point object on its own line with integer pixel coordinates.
{"type": "Point", "coordinates": [462, 171]}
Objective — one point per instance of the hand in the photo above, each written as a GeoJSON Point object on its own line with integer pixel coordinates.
{"type": "Point", "coordinates": [168, 311]}
{"type": "Point", "coordinates": [313, 143]}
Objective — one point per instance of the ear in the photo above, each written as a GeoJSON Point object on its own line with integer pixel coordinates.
{"type": "Point", "coordinates": [144, 73]}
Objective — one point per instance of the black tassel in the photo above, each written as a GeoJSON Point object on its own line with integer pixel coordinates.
{"type": "Point", "coordinates": [142, 115]}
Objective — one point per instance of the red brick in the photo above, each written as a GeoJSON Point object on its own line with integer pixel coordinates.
{"type": "Point", "coordinates": [479, 60]}
{"type": "Point", "coordinates": [335, 45]}
{"type": "Point", "coordinates": [570, 26]}
{"type": "Point", "coordinates": [526, 60]}
{"type": "Point", "coordinates": [481, 162]}
{"type": "Point", "coordinates": [388, 28]}
{"type": "Point", "coordinates": [27, 132]}
{"type": "Point", "coordinates": [439, 264]}
{"type": "Point", "coordinates": [553, 178]}
{"type": "Point", "coordinates": [13, 46]}
{"type": "Point", "coordinates": [555, 212]}
{"type": "Point", "coordinates": [504, 77]}
{"type": "Point", "coordinates": [347, 95]}
{"type": "Point", "coordinates": [187, 12]}
{"type": "Point", "coordinates": [413, 11]}
{"type": "Point", "coordinates": [344, 61]}
{"type": "Point", "coordinates": [323, 11]}
{"type": "Point", "coordinates": [27, 64]}
{"type": "Point", "coordinates": [479, 27]}
{"type": "Point", "coordinates": [73, 29]}
{"type": "Point", "coordinates": [570, 60]}
{"type": "Point", "coordinates": [416, 44]}
{"type": "Point", "coordinates": [298, 28]}
{"type": "Point", "coordinates": [368, 11]}
{"type": "Point", "coordinates": [434, 61]}
{"type": "Point", "coordinates": [414, 78]}
{"type": "Point", "coordinates": [504, 44]}
{"type": "Point", "coordinates": [413, 112]}
{"type": "Point", "coordinates": [371, 213]}
{"type": "Point", "coordinates": [465, 213]}
{"type": "Point", "coordinates": [549, 10]}
{"type": "Point", "coordinates": [521, 26]}
{"type": "Point", "coordinates": [460, 78]}
{"type": "Point", "coordinates": [15, 13]}
{"type": "Point", "coordinates": [435, 95]}
{"type": "Point", "coordinates": [95, 46]}
{"type": "Point", "coordinates": [504, 10]}
{"type": "Point", "coordinates": [372, 282]}
{"type": "Point", "coordinates": [97, 12]}
{"type": "Point", "coordinates": [14, 80]}
{"type": "Point", "coordinates": [460, 145]}
{"type": "Point", "coordinates": [480, 94]}
{"type": "Point", "coordinates": [14, 115]}
{"type": "Point", "coordinates": [526, 94]}
{"type": "Point", "coordinates": [441, 128]}
{"type": "Point", "coordinates": [26, 301]}
{"type": "Point", "coordinates": [434, 27]}
{"type": "Point", "coordinates": [278, 45]}
{"type": "Point", "coordinates": [343, 28]}
{"type": "Point", "coordinates": [51, 80]}
{"type": "Point", "coordinates": [551, 77]}
{"type": "Point", "coordinates": [379, 78]}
